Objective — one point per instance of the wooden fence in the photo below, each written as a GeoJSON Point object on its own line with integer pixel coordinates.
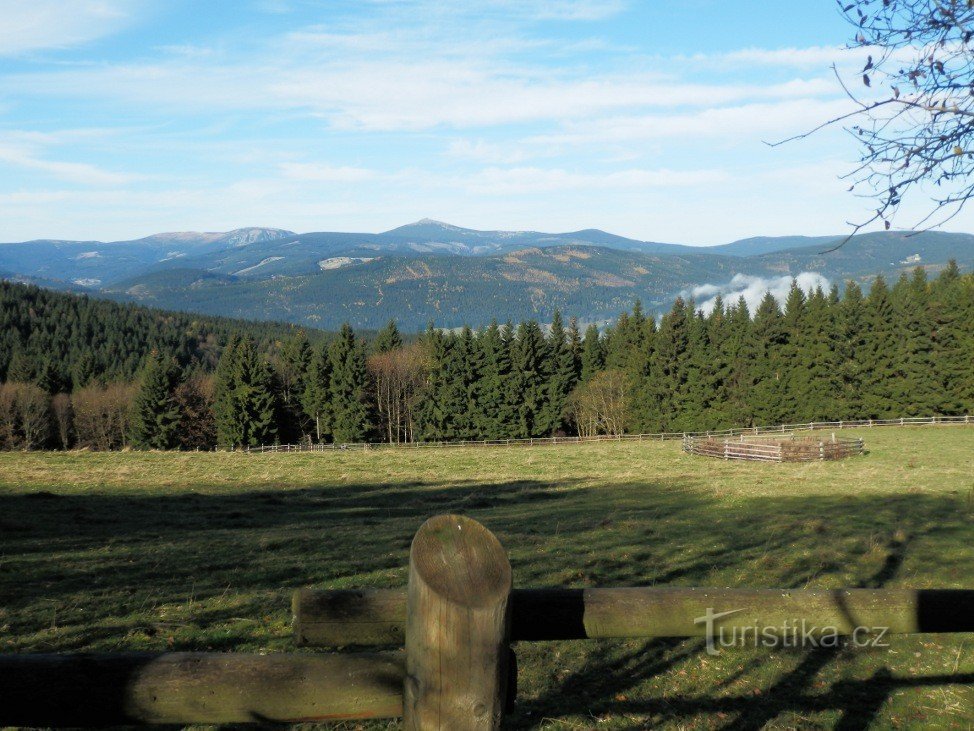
{"type": "Point", "coordinates": [456, 618]}
{"type": "Point", "coordinates": [655, 437]}
{"type": "Point", "coordinates": [784, 448]}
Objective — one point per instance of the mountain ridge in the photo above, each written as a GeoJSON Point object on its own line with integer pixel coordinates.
{"type": "Point", "coordinates": [433, 270]}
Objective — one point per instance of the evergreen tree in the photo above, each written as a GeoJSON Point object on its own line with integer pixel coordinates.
{"type": "Point", "coordinates": [575, 347]}
{"type": "Point", "coordinates": [952, 312]}
{"type": "Point", "coordinates": [316, 399]}
{"type": "Point", "coordinates": [593, 353]}
{"type": "Point", "coordinates": [561, 379]}
{"type": "Point", "coordinates": [851, 326]}
{"type": "Point", "coordinates": [155, 412]}
{"type": "Point", "coordinates": [21, 367]}
{"type": "Point", "coordinates": [914, 391]}
{"type": "Point", "coordinates": [794, 378]}
{"type": "Point", "coordinates": [387, 339]}
{"type": "Point", "coordinates": [879, 357]}
{"type": "Point", "coordinates": [443, 413]}
{"type": "Point", "coordinates": [529, 374]}
{"type": "Point", "coordinates": [245, 405]}
{"type": "Point", "coordinates": [735, 353]}
{"type": "Point", "coordinates": [291, 369]}
{"type": "Point", "coordinates": [692, 400]}
{"type": "Point", "coordinates": [816, 379]}
{"type": "Point", "coordinates": [494, 415]}
{"type": "Point", "coordinates": [764, 357]}
{"type": "Point", "coordinates": [348, 389]}
{"type": "Point", "coordinates": [658, 395]}
{"type": "Point", "coordinates": [84, 370]}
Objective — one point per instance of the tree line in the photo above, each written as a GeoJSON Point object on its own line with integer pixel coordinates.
{"type": "Point", "coordinates": [900, 350]}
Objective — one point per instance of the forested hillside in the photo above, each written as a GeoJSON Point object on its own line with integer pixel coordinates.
{"type": "Point", "coordinates": [901, 350]}
{"type": "Point", "coordinates": [65, 341]}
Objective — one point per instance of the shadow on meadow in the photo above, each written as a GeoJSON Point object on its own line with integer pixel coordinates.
{"type": "Point", "coordinates": [102, 566]}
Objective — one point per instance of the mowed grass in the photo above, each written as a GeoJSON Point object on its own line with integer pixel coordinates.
{"type": "Point", "coordinates": [156, 551]}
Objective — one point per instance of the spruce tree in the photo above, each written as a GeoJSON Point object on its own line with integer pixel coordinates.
{"type": "Point", "coordinates": [291, 370]}
{"type": "Point", "coordinates": [817, 370]}
{"type": "Point", "coordinates": [444, 411]}
{"type": "Point", "coordinates": [851, 326]}
{"type": "Point", "coordinates": [952, 312]}
{"type": "Point", "coordinates": [155, 411]}
{"type": "Point", "coordinates": [575, 346]}
{"type": "Point", "coordinates": [84, 371]}
{"type": "Point", "coordinates": [494, 415]}
{"type": "Point", "coordinates": [21, 367]}
{"type": "Point", "coordinates": [915, 391]}
{"type": "Point", "coordinates": [794, 378]}
{"type": "Point", "coordinates": [348, 389]}
{"type": "Point", "coordinates": [316, 398]}
{"type": "Point", "coordinates": [763, 353]}
{"type": "Point", "coordinates": [529, 374]}
{"type": "Point", "coordinates": [561, 378]}
{"type": "Point", "coordinates": [593, 353]}
{"type": "Point", "coordinates": [735, 353]}
{"type": "Point", "coordinates": [471, 368]}
{"type": "Point", "coordinates": [387, 339]}
{"type": "Point", "coordinates": [660, 392]}
{"type": "Point", "coordinates": [879, 359]}
{"type": "Point", "coordinates": [693, 397]}
{"type": "Point", "coordinates": [245, 404]}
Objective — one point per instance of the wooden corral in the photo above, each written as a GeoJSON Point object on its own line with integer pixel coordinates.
{"type": "Point", "coordinates": [778, 448]}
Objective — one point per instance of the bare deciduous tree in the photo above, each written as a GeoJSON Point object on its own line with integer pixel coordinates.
{"type": "Point", "coordinates": [399, 376]}
{"type": "Point", "coordinates": [63, 413]}
{"type": "Point", "coordinates": [914, 104]}
{"type": "Point", "coordinates": [25, 416]}
{"type": "Point", "coordinates": [601, 404]}
{"type": "Point", "coordinates": [101, 415]}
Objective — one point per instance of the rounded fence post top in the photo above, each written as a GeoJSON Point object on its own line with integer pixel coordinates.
{"type": "Point", "coordinates": [461, 560]}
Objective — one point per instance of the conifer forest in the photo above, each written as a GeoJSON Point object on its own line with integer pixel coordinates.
{"type": "Point", "coordinates": [84, 373]}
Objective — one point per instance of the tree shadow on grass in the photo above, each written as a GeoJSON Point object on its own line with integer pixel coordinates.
{"type": "Point", "coordinates": [782, 542]}
{"type": "Point", "coordinates": [107, 564]}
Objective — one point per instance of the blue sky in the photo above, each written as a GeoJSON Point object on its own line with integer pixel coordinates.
{"type": "Point", "coordinates": [121, 118]}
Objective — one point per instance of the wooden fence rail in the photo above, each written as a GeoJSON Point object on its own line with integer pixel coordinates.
{"type": "Point", "coordinates": [457, 617]}
{"type": "Point", "coordinates": [656, 437]}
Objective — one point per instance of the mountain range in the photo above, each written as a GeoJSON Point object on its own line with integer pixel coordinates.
{"type": "Point", "coordinates": [431, 270]}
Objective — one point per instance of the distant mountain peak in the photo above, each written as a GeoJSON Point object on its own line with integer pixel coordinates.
{"type": "Point", "coordinates": [434, 222]}
{"type": "Point", "coordinates": [426, 226]}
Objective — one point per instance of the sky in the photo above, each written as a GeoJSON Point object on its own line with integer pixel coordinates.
{"type": "Point", "coordinates": [122, 118]}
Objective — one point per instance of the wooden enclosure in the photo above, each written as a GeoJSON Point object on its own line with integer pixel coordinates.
{"type": "Point", "coordinates": [778, 448]}
{"type": "Point", "coordinates": [457, 618]}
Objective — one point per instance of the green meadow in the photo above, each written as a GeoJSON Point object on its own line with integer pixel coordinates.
{"type": "Point", "coordinates": [200, 551]}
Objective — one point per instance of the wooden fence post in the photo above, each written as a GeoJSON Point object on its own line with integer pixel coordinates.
{"type": "Point", "coordinates": [457, 627]}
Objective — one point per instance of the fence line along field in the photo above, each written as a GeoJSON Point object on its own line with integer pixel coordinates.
{"type": "Point", "coordinates": [113, 552]}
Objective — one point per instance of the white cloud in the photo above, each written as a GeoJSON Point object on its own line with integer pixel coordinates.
{"type": "Point", "coordinates": [75, 172]}
{"type": "Point", "coordinates": [509, 181]}
{"type": "Point", "coordinates": [563, 9]}
{"type": "Point", "coordinates": [753, 289]}
{"type": "Point", "coordinates": [44, 24]}
{"type": "Point", "coordinates": [326, 173]}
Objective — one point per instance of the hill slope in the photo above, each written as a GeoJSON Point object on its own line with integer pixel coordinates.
{"type": "Point", "coordinates": [592, 283]}
{"type": "Point", "coordinates": [77, 333]}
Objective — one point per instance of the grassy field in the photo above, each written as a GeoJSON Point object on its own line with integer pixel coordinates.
{"type": "Point", "coordinates": [130, 551]}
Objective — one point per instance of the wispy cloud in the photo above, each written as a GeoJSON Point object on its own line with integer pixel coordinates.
{"type": "Point", "coordinates": [54, 24]}
{"type": "Point", "coordinates": [74, 172]}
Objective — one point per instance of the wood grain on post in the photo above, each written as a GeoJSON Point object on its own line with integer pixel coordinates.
{"type": "Point", "coordinates": [457, 627]}
{"type": "Point", "coordinates": [197, 688]}
{"type": "Point", "coordinates": [569, 614]}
